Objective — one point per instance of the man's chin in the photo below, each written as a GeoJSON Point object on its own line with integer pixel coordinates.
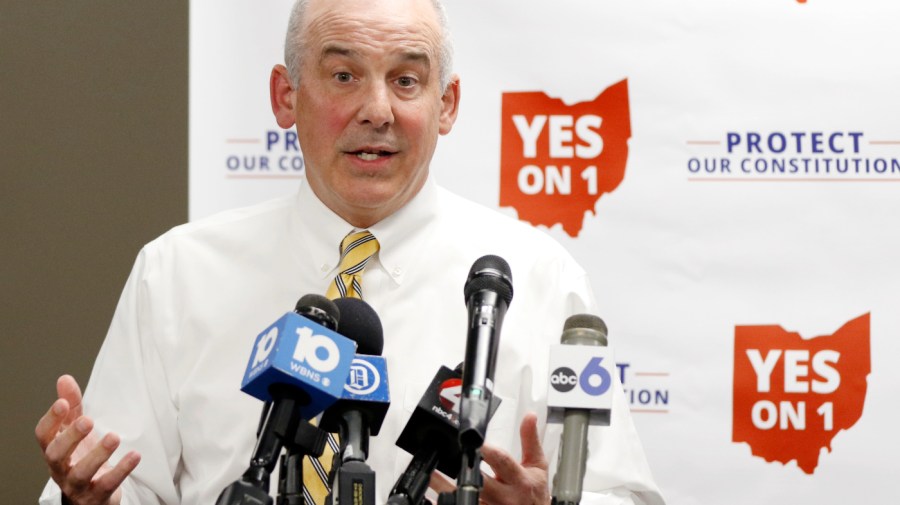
{"type": "Point", "coordinates": [366, 210]}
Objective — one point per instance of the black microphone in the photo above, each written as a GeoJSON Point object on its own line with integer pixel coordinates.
{"type": "Point", "coordinates": [280, 422]}
{"type": "Point", "coordinates": [488, 292]}
{"type": "Point", "coordinates": [319, 309]}
{"type": "Point", "coordinates": [566, 384]}
{"type": "Point", "coordinates": [431, 436]}
{"type": "Point", "coordinates": [360, 411]}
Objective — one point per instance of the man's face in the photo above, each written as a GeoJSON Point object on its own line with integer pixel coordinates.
{"type": "Point", "coordinates": [369, 105]}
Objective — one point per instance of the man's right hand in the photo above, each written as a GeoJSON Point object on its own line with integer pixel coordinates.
{"type": "Point", "coordinates": [77, 460]}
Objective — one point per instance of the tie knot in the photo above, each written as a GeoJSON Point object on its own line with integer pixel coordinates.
{"type": "Point", "coordinates": [356, 249]}
{"type": "Point", "coordinates": [353, 240]}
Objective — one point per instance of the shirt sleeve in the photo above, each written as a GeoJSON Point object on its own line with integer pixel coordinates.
{"type": "Point", "coordinates": [128, 392]}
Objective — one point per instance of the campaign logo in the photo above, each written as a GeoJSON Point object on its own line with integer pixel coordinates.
{"type": "Point", "coordinates": [792, 155]}
{"type": "Point", "coordinates": [792, 395]}
{"type": "Point", "coordinates": [558, 160]}
{"type": "Point", "coordinates": [273, 155]}
{"type": "Point", "coordinates": [364, 378]}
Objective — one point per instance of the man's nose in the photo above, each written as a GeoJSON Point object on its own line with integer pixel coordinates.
{"type": "Point", "coordinates": [376, 108]}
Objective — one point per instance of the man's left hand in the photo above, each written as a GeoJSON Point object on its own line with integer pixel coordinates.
{"type": "Point", "coordinates": [513, 483]}
{"type": "Point", "coordinates": [517, 483]}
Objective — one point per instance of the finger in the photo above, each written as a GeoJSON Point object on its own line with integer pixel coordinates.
{"type": "Point", "coordinates": [532, 451]}
{"type": "Point", "coordinates": [107, 484]}
{"type": "Point", "coordinates": [493, 491]}
{"type": "Point", "coordinates": [67, 389]}
{"type": "Point", "coordinates": [83, 471]}
{"type": "Point", "coordinates": [60, 450]}
{"type": "Point", "coordinates": [505, 467]}
{"type": "Point", "coordinates": [48, 426]}
{"type": "Point", "coordinates": [440, 483]}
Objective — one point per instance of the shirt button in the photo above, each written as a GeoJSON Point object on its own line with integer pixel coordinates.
{"type": "Point", "coordinates": [325, 267]}
{"type": "Point", "coordinates": [397, 272]}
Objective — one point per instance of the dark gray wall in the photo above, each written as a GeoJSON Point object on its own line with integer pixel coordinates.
{"type": "Point", "coordinates": [93, 158]}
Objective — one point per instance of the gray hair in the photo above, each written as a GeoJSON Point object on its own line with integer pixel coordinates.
{"type": "Point", "coordinates": [295, 41]}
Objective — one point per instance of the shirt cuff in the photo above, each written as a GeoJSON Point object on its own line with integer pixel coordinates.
{"type": "Point", "coordinates": [51, 495]}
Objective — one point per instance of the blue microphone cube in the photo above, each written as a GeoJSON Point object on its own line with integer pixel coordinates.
{"type": "Point", "coordinates": [301, 353]}
{"type": "Point", "coordinates": [368, 380]}
{"type": "Point", "coordinates": [366, 391]}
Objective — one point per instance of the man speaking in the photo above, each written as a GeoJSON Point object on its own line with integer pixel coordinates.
{"type": "Point", "coordinates": [369, 87]}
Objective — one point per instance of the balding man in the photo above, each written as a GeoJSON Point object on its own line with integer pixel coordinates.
{"type": "Point", "coordinates": [369, 87]}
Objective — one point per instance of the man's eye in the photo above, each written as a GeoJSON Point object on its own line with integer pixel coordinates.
{"type": "Point", "coordinates": [406, 82]}
{"type": "Point", "coordinates": [343, 77]}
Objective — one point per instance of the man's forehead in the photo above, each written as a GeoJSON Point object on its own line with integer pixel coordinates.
{"type": "Point", "coordinates": [388, 7]}
{"type": "Point", "coordinates": [411, 25]}
{"type": "Point", "coordinates": [408, 53]}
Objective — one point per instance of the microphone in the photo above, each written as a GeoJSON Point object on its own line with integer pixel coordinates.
{"type": "Point", "coordinates": [363, 405]}
{"type": "Point", "coordinates": [365, 396]}
{"type": "Point", "coordinates": [579, 394]}
{"type": "Point", "coordinates": [431, 436]}
{"type": "Point", "coordinates": [289, 370]}
{"type": "Point", "coordinates": [488, 292]}
{"type": "Point", "coordinates": [301, 355]}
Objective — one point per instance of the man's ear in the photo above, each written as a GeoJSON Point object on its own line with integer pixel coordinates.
{"type": "Point", "coordinates": [281, 94]}
{"type": "Point", "coordinates": [449, 105]}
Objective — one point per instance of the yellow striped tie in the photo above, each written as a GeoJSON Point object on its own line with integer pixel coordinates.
{"type": "Point", "coordinates": [316, 472]}
{"type": "Point", "coordinates": [356, 249]}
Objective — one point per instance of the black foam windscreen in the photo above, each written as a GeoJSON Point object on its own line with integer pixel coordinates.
{"type": "Point", "coordinates": [360, 323]}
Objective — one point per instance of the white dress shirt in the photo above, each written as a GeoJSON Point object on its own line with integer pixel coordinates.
{"type": "Point", "coordinates": [167, 378]}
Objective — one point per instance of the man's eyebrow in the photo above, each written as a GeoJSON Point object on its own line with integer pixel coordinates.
{"type": "Point", "coordinates": [416, 56]}
{"type": "Point", "coordinates": [336, 50]}
{"type": "Point", "coordinates": [411, 55]}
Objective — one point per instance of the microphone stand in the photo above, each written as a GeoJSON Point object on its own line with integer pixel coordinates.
{"type": "Point", "coordinates": [410, 488]}
{"type": "Point", "coordinates": [468, 483]}
{"type": "Point", "coordinates": [290, 482]}
{"type": "Point", "coordinates": [281, 427]}
{"type": "Point", "coordinates": [308, 440]}
{"type": "Point", "coordinates": [354, 479]}
{"type": "Point", "coordinates": [473, 421]}
{"type": "Point", "coordinates": [470, 479]}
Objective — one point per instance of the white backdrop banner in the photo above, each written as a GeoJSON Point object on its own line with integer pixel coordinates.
{"type": "Point", "coordinates": [728, 173]}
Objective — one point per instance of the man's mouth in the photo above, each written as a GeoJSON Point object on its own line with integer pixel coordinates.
{"type": "Point", "coordinates": [371, 154]}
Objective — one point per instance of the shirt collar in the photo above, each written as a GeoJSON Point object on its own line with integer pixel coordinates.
{"type": "Point", "coordinates": [400, 235]}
